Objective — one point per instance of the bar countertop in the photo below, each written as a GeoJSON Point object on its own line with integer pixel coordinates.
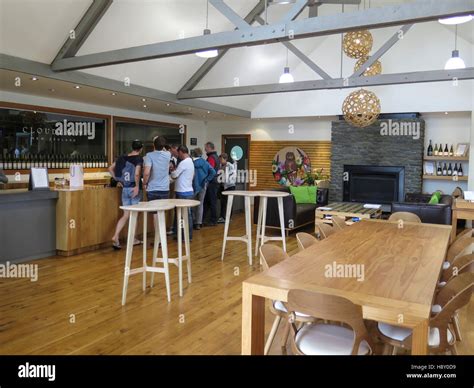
{"type": "Point", "coordinates": [22, 195]}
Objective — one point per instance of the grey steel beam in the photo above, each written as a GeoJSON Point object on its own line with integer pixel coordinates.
{"type": "Point", "coordinates": [211, 62]}
{"type": "Point", "coordinates": [382, 50]}
{"type": "Point", "coordinates": [339, 83]}
{"type": "Point", "coordinates": [85, 26]}
{"type": "Point", "coordinates": [295, 10]}
{"type": "Point", "coordinates": [39, 69]}
{"type": "Point", "coordinates": [415, 12]}
{"type": "Point", "coordinates": [302, 56]}
{"type": "Point", "coordinates": [353, 2]}
{"type": "Point", "coordinates": [230, 14]}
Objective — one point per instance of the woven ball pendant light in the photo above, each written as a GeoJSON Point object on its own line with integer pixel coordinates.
{"type": "Point", "coordinates": [357, 44]}
{"type": "Point", "coordinates": [361, 108]}
{"type": "Point", "coordinates": [374, 69]}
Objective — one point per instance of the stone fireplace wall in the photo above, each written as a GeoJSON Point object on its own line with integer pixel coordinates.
{"type": "Point", "coordinates": [385, 143]}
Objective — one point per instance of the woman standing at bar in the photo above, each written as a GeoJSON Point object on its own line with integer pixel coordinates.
{"type": "Point", "coordinates": [127, 171]}
{"type": "Point", "coordinates": [203, 175]}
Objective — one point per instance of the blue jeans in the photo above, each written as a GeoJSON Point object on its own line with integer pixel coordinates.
{"type": "Point", "coordinates": [190, 216]}
{"type": "Point", "coordinates": [127, 199]}
{"type": "Point", "coordinates": [152, 195]}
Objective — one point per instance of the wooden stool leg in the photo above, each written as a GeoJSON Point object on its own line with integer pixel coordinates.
{"type": "Point", "coordinates": [156, 246]}
{"type": "Point", "coordinates": [271, 336]}
{"type": "Point", "coordinates": [228, 213]}
{"type": "Point", "coordinates": [282, 221]}
{"type": "Point", "coordinates": [259, 226]}
{"type": "Point", "coordinates": [145, 227]}
{"type": "Point", "coordinates": [164, 249]}
{"type": "Point", "coordinates": [180, 248]}
{"type": "Point", "coordinates": [248, 228]}
{"type": "Point", "coordinates": [187, 243]}
{"type": "Point", "coordinates": [264, 220]}
{"type": "Point", "coordinates": [128, 256]}
{"type": "Point", "coordinates": [457, 327]}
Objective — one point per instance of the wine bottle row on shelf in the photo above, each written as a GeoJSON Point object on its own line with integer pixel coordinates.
{"type": "Point", "coordinates": [58, 161]}
{"type": "Point", "coordinates": [440, 151]}
{"type": "Point", "coordinates": [449, 170]}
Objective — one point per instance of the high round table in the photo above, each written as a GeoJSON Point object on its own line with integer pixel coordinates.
{"type": "Point", "coordinates": [160, 234]}
{"type": "Point", "coordinates": [182, 207]}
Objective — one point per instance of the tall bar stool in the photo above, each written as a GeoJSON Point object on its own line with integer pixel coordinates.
{"type": "Point", "coordinates": [160, 234]}
{"type": "Point", "coordinates": [248, 225]}
{"type": "Point", "coordinates": [182, 208]}
{"type": "Point", "coordinates": [262, 218]}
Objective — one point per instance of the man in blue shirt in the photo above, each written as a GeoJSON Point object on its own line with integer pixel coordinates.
{"type": "Point", "coordinates": [156, 173]}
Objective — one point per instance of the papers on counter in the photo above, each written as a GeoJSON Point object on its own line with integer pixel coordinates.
{"type": "Point", "coordinates": [372, 206]}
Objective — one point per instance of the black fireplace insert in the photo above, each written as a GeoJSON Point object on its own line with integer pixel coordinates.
{"type": "Point", "coordinates": [373, 184]}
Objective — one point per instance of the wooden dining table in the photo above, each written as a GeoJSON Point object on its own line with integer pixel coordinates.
{"type": "Point", "coordinates": [400, 267]}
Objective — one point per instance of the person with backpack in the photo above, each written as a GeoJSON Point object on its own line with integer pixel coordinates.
{"type": "Point", "coordinates": [210, 200]}
{"type": "Point", "coordinates": [127, 171]}
{"type": "Point", "coordinates": [203, 175]}
{"type": "Point", "coordinates": [227, 177]}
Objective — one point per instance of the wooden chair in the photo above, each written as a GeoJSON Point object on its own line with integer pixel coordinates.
{"type": "Point", "coordinates": [461, 264]}
{"type": "Point", "coordinates": [320, 338]}
{"type": "Point", "coordinates": [404, 216]}
{"type": "Point", "coordinates": [466, 233]}
{"type": "Point", "coordinates": [272, 255]}
{"type": "Point", "coordinates": [339, 222]}
{"type": "Point", "coordinates": [459, 247]}
{"type": "Point", "coordinates": [326, 230]}
{"type": "Point", "coordinates": [305, 240]}
{"type": "Point", "coordinates": [455, 295]}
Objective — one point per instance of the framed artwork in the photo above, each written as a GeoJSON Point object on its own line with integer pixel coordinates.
{"type": "Point", "coordinates": [291, 166]}
{"type": "Point", "coordinates": [462, 149]}
{"type": "Point", "coordinates": [429, 168]}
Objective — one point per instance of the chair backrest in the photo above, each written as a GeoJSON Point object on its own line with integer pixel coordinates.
{"type": "Point", "coordinates": [325, 230]}
{"type": "Point", "coordinates": [305, 240]}
{"type": "Point", "coordinates": [404, 216]}
{"type": "Point", "coordinates": [329, 307]}
{"type": "Point", "coordinates": [462, 245]}
{"type": "Point", "coordinates": [455, 295]}
{"type": "Point", "coordinates": [466, 233]}
{"type": "Point", "coordinates": [339, 222]}
{"type": "Point", "coordinates": [460, 265]}
{"type": "Point", "coordinates": [271, 255]}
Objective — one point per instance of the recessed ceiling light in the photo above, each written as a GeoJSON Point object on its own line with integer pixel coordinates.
{"type": "Point", "coordinates": [34, 78]}
{"type": "Point", "coordinates": [144, 106]}
{"type": "Point", "coordinates": [208, 111]}
{"type": "Point", "coordinates": [34, 112]}
{"type": "Point", "coordinates": [445, 113]}
{"type": "Point", "coordinates": [143, 99]}
{"type": "Point", "coordinates": [77, 87]}
{"type": "Point", "coordinates": [113, 94]}
{"type": "Point", "coordinates": [168, 104]}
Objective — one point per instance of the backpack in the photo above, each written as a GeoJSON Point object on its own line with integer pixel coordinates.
{"type": "Point", "coordinates": [127, 175]}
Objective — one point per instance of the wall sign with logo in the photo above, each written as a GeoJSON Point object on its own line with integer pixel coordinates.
{"type": "Point", "coordinates": [53, 140]}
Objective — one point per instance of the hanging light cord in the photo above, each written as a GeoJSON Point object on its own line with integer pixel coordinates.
{"type": "Point", "coordinates": [342, 44]}
{"type": "Point", "coordinates": [287, 58]}
{"type": "Point", "coordinates": [207, 14]}
{"type": "Point", "coordinates": [266, 9]}
{"type": "Point", "coordinates": [456, 38]}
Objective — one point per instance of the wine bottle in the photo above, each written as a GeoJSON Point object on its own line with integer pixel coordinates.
{"type": "Point", "coordinates": [455, 171]}
{"type": "Point", "coordinates": [445, 170]}
{"type": "Point", "coordinates": [460, 171]}
{"type": "Point", "coordinates": [438, 169]}
{"type": "Point", "coordinates": [435, 152]}
{"type": "Point", "coordinates": [430, 150]}
{"type": "Point", "coordinates": [451, 151]}
{"type": "Point", "coordinates": [1, 162]}
{"type": "Point", "coordinates": [450, 170]}
{"type": "Point", "coordinates": [446, 152]}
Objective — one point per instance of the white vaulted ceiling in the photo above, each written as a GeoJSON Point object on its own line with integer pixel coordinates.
{"type": "Point", "coordinates": [36, 30]}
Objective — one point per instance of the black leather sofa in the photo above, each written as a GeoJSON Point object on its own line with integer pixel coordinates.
{"type": "Point", "coordinates": [432, 214]}
{"type": "Point", "coordinates": [300, 214]}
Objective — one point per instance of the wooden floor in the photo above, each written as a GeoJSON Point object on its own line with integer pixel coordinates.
{"type": "Point", "coordinates": [75, 306]}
